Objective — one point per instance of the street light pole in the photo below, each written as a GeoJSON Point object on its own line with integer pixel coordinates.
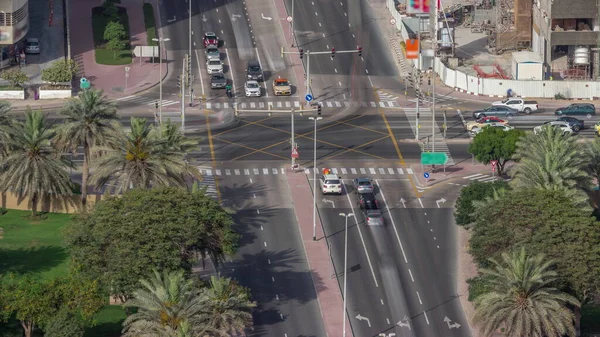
{"type": "Point", "coordinates": [292, 25]}
{"type": "Point", "coordinates": [190, 53]}
{"type": "Point", "coordinates": [293, 141]}
{"type": "Point", "coordinates": [315, 178]}
{"type": "Point", "coordinates": [345, 268]}
{"type": "Point", "coordinates": [160, 44]}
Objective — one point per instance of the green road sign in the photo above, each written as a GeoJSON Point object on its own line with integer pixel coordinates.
{"type": "Point", "coordinates": [434, 158]}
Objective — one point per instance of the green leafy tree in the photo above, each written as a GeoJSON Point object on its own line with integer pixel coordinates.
{"type": "Point", "coordinates": [522, 301]}
{"type": "Point", "coordinates": [34, 167]}
{"type": "Point", "coordinates": [91, 120]}
{"type": "Point", "coordinates": [60, 71]}
{"type": "Point", "coordinates": [546, 222]}
{"type": "Point", "coordinates": [495, 144]}
{"type": "Point", "coordinates": [230, 307]}
{"type": "Point", "coordinates": [144, 158]}
{"type": "Point", "coordinates": [110, 10]}
{"type": "Point", "coordinates": [15, 76]}
{"type": "Point", "coordinates": [552, 161]}
{"type": "Point", "coordinates": [122, 239]}
{"type": "Point", "coordinates": [64, 324]}
{"type": "Point", "coordinates": [475, 191]}
{"type": "Point", "coordinates": [116, 46]}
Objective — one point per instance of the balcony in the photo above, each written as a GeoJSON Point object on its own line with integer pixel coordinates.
{"type": "Point", "coordinates": [574, 38]}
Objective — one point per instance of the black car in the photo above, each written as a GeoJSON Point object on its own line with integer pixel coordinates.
{"type": "Point", "coordinates": [495, 110]}
{"type": "Point", "coordinates": [582, 109]}
{"type": "Point", "coordinates": [574, 123]}
{"type": "Point", "coordinates": [367, 201]}
{"type": "Point", "coordinates": [253, 71]}
{"type": "Point", "coordinates": [218, 81]}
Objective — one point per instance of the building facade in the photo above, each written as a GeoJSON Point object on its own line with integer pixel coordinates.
{"type": "Point", "coordinates": [565, 33]}
{"type": "Point", "coordinates": [14, 21]}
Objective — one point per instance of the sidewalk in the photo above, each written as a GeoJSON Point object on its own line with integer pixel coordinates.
{"type": "Point", "coordinates": [328, 290]}
{"type": "Point", "coordinates": [111, 79]}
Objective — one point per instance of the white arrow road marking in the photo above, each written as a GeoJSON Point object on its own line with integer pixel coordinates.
{"type": "Point", "coordinates": [451, 326]}
{"type": "Point", "coordinates": [330, 201]}
{"type": "Point", "coordinates": [404, 323]}
{"type": "Point", "coordinates": [266, 17]}
{"type": "Point", "coordinates": [363, 318]}
{"type": "Point", "coordinates": [403, 202]}
{"type": "Point", "coordinates": [235, 16]}
{"type": "Point", "coordinates": [442, 200]}
{"type": "Point", "coordinates": [204, 18]}
{"type": "Point", "coordinates": [174, 19]}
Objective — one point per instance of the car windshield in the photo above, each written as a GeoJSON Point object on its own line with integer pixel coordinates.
{"type": "Point", "coordinates": [252, 85]}
{"type": "Point", "coordinates": [281, 83]}
{"type": "Point", "coordinates": [210, 35]}
{"type": "Point", "coordinates": [214, 63]}
{"type": "Point", "coordinates": [332, 181]}
{"type": "Point", "coordinates": [218, 77]}
{"type": "Point", "coordinates": [254, 68]}
{"type": "Point", "coordinates": [213, 50]}
{"type": "Point", "coordinates": [374, 215]}
{"type": "Point", "coordinates": [364, 183]}
{"type": "Point", "coordinates": [34, 44]}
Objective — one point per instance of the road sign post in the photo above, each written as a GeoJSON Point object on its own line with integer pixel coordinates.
{"type": "Point", "coordinates": [426, 176]}
{"type": "Point", "coordinates": [434, 158]}
{"type": "Point", "coordinates": [295, 153]}
{"type": "Point", "coordinates": [126, 76]}
{"type": "Point", "coordinates": [494, 164]}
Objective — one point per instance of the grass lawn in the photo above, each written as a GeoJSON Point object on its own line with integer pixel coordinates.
{"type": "Point", "coordinates": [108, 322]}
{"type": "Point", "coordinates": [33, 246]}
{"type": "Point", "coordinates": [104, 56]}
{"type": "Point", "coordinates": [150, 24]}
{"type": "Point", "coordinates": [590, 318]}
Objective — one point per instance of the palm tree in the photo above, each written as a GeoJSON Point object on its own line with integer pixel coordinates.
{"type": "Point", "coordinates": [522, 302]}
{"type": "Point", "coordinates": [229, 307]}
{"type": "Point", "coordinates": [592, 151]}
{"type": "Point", "coordinates": [91, 120]}
{"type": "Point", "coordinates": [142, 158]}
{"type": "Point", "coordinates": [552, 160]}
{"type": "Point", "coordinates": [5, 123]}
{"type": "Point", "coordinates": [169, 305]}
{"type": "Point", "coordinates": [34, 167]}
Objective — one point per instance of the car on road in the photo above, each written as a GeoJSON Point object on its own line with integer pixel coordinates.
{"type": "Point", "coordinates": [518, 104]}
{"type": "Point", "coordinates": [363, 185]}
{"type": "Point", "coordinates": [476, 130]}
{"type": "Point", "coordinates": [281, 87]}
{"type": "Point", "coordinates": [252, 89]}
{"type": "Point", "coordinates": [254, 71]}
{"type": "Point", "coordinates": [210, 39]}
{"type": "Point", "coordinates": [481, 122]}
{"type": "Point", "coordinates": [563, 126]}
{"type": "Point", "coordinates": [212, 53]}
{"type": "Point", "coordinates": [214, 66]}
{"type": "Point", "coordinates": [218, 81]}
{"type": "Point", "coordinates": [498, 111]}
{"type": "Point", "coordinates": [574, 123]}
{"type": "Point", "coordinates": [330, 183]}
{"type": "Point", "coordinates": [373, 216]}
{"type": "Point", "coordinates": [367, 200]}
{"type": "Point", "coordinates": [577, 109]}
{"type": "Point", "coordinates": [32, 46]}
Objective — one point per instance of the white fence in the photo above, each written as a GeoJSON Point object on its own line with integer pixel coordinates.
{"type": "Point", "coordinates": [497, 87]}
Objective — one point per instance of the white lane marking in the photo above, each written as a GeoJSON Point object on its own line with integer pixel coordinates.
{"type": "Point", "coordinates": [317, 14]}
{"type": "Point", "coordinates": [353, 36]}
{"type": "Point", "coordinates": [230, 69]}
{"type": "Point", "coordinates": [393, 222]}
{"type": "Point", "coordinates": [199, 71]}
{"type": "Point", "coordinates": [124, 98]}
{"type": "Point", "coordinates": [434, 238]}
{"type": "Point", "coordinates": [341, 4]}
{"type": "Point", "coordinates": [427, 319]}
{"type": "Point", "coordinates": [265, 243]}
{"type": "Point", "coordinates": [335, 70]}
{"type": "Point", "coordinates": [273, 278]}
{"type": "Point", "coordinates": [369, 77]}
{"type": "Point", "coordinates": [219, 19]}
{"type": "Point", "coordinates": [320, 24]}
{"type": "Point", "coordinates": [346, 15]}
{"type": "Point", "coordinates": [327, 46]}
{"type": "Point", "coordinates": [250, 180]}
{"type": "Point", "coordinates": [277, 297]}
{"type": "Point", "coordinates": [323, 34]}
{"type": "Point", "coordinates": [262, 71]}
{"type": "Point", "coordinates": [269, 261]}
{"type": "Point", "coordinates": [421, 202]}
{"type": "Point", "coordinates": [360, 234]}
{"type": "Point", "coordinates": [381, 301]}
{"type": "Point", "coordinates": [312, 2]}
{"type": "Point", "coordinates": [388, 321]}
{"type": "Point", "coordinates": [473, 176]}
{"type": "Point", "coordinates": [261, 228]}
{"type": "Point", "coordinates": [411, 276]}
{"type": "Point", "coordinates": [254, 195]}
{"type": "Point", "coordinates": [409, 170]}
{"type": "Point", "coordinates": [419, 296]}
{"type": "Point", "coordinates": [257, 212]}
{"type": "Point", "coordinates": [340, 83]}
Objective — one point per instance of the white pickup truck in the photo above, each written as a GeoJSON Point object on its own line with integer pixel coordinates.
{"type": "Point", "coordinates": [519, 104]}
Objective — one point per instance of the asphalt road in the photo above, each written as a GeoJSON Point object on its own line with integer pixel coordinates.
{"type": "Point", "coordinates": [271, 260]}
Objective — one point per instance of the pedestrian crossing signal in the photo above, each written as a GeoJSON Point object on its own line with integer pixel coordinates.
{"type": "Point", "coordinates": [301, 53]}
{"type": "Point", "coordinates": [360, 51]}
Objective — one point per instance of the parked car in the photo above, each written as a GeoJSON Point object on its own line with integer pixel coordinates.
{"type": "Point", "coordinates": [32, 46]}
{"type": "Point", "coordinates": [574, 123]}
{"type": "Point", "coordinates": [475, 130]}
{"type": "Point", "coordinates": [500, 110]}
{"type": "Point", "coordinates": [330, 183]}
{"type": "Point", "coordinates": [210, 39]}
{"type": "Point", "coordinates": [218, 81]}
{"type": "Point", "coordinates": [518, 104]}
{"type": "Point", "coordinates": [252, 89]}
{"type": "Point", "coordinates": [253, 71]}
{"type": "Point", "coordinates": [481, 122]}
{"type": "Point", "coordinates": [563, 126]}
{"type": "Point", "coordinates": [363, 185]}
{"type": "Point", "coordinates": [214, 66]}
{"type": "Point", "coordinates": [212, 53]}
{"type": "Point", "coordinates": [577, 109]}
{"type": "Point", "coordinates": [367, 200]}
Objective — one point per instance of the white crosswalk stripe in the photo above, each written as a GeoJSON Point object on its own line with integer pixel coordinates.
{"type": "Point", "coordinates": [387, 102]}
{"type": "Point", "coordinates": [208, 182]}
{"type": "Point", "coordinates": [425, 122]}
{"type": "Point", "coordinates": [481, 177]}
{"type": "Point", "coordinates": [146, 100]}
{"type": "Point", "coordinates": [378, 171]}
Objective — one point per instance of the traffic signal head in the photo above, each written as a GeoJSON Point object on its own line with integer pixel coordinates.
{"type": "Point", "coordinates": [418, 115]}
{"type": "Point", "coordinates": [179, 81]}
{"type": "Point", "coordinates": [360, 51]}
{"type": "Point", "coordinates": [156, 104]}
{"type": "Point", "coordinates": [429, 81]}
{"type": "Point", "coordinates": [332, 52]}
{"type": "Point", "coordinates": [319, 110]}
{"type": "Point", "coordinates": [301, 53]}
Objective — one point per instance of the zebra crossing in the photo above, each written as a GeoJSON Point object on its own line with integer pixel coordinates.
{"type": "Point", "coordinates": [298, 104]}
{"type": "Point", "coordinates": [424, 129]}
{"type": "Point", "coordinates": [429, 100]}
{"type": "Point", "coordinates": [371, 171]}
{"type": "Point", "coordinates": [385, 96]}
{"type": "Point", "coordinates": [208, 182]}
{"type": "Point", "coordinates": [481, 177]}
{"type": "Point", "coordinates": [146, 100]}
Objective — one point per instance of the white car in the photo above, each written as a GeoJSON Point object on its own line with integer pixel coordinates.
{"type": "Point", "coordinates": [477, 129]}
{"type": "Point", "coordinates": [330, 183]}
{"type": "Point", "coordinates": [252, 89]}
{"type": "Point", "coordinates": [563, 126]}
{"type": "Point", "coordinates": [214, 66]}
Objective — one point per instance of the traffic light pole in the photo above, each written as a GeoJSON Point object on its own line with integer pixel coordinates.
{"type": "Point", "coordinates": [183, 98]}
{"type": "Point", "coordinates": [434, 8]}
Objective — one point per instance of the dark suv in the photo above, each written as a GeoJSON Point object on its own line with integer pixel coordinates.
{"type": "Point", "coordinates": [584, 109]}
{"type": "Point", "coordinates": [367, 201]}
{"type": "Point", "coordinates": [253, 71]}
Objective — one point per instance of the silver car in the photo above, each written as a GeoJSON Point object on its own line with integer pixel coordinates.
{"type": "Point", "coordinates": [363, 185]}
{"type": "Point", "coordinates": [374, 217]}
{"type": "Point", "coordinates": [214, 66]}
{"type": "Point", "coordinates": [213, 53]}
{"type": "Point", "coordinates": [32, 46]}
{"type": "Point", "coordinates": [252, 89]}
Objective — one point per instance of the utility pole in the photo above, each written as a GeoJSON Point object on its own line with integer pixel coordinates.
{"type": "Point", "coordinates": [418, 80]}
{"type": "Point", "coordinates": [183, 82]}
{"type": "Point", "coordinates": [190, 51]}
{"type": "Point", "coordinates": [434, 8]}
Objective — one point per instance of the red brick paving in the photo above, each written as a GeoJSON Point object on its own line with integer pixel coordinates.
{"type": "Point", "coordinates": [328, 291]}
{"type": "Point", "coordinates": [107, 77]}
